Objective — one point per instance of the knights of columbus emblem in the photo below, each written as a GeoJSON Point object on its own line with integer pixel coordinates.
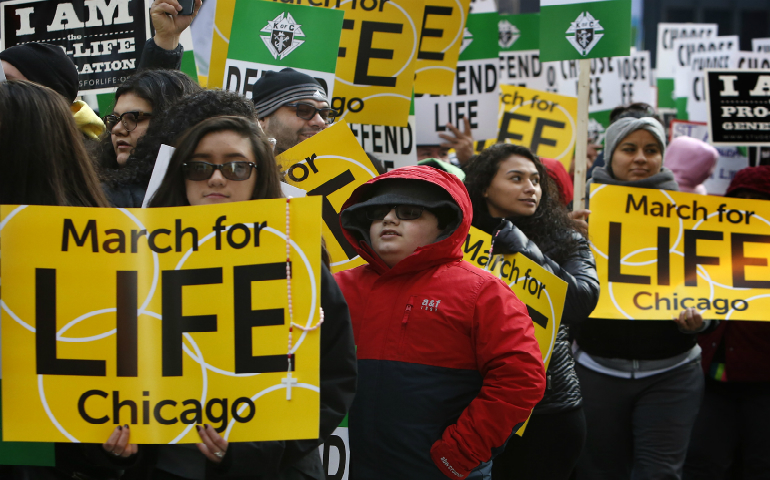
{"type": "Point", "coordinates": [508, 34]}
{"type": "Point", "coordinates": [585, 29]}
{"type": "Point", "coordinates": [283, 32]}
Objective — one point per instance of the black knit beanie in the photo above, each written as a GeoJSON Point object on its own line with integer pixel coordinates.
{"type": "Point", "coordinates": [45, 64]}
{"type": "Point", "coordinates": [276, 89]}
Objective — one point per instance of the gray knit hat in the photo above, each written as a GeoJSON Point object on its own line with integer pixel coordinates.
{"type": "Point", "coordinates": [623, 127]}
{"type": "Point", "coordinates": [276, 89]}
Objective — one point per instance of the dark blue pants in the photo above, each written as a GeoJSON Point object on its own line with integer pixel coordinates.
{"type": "Point", "coordinates": [638, 428]}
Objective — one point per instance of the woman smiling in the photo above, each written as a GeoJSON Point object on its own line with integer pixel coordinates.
{"type": "Point", "coordinates": [641, 380]}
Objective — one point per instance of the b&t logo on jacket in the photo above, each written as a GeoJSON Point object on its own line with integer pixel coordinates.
{"type": "Point", "coordinates": [430, 305]}
{"type": "Point", "coordinates": [508, 34]}
{"type": "Point", "coordinates": [585, 30]}
{"type": "Point", "coordinates": [283, 32]}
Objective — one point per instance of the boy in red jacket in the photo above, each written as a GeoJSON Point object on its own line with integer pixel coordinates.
{"type": "Point", "coordinates": [448, 363]}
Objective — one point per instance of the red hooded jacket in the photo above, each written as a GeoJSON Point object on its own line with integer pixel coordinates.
{"type": "Point", "coordinates": [448, 363]}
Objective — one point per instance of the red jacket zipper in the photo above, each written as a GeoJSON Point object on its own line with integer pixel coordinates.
{"type": "Point", "coordinates": [404, 321]}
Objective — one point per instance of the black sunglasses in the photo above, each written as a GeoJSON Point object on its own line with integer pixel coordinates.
{"type": "Point", "coordinates": [237, 171]}
{"type": "Point", "coordinates": [128, 119]}
{"type": "Point", "coordinates": [403, 212]}
{"type": "Point", "coordinates": [307, 111]}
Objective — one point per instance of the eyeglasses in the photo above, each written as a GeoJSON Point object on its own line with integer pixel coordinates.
{"type": "Point", "coordinates": [128, 119]}
{"type": "Point", "coordinates": [403, 212]}
{"type": "Point", "coordinates": [307, 111]}
{"type": "Point", "coordinates": [237, 171]}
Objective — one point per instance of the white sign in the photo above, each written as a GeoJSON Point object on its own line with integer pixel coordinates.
{"type": "Point", "coordinates": [667, 33]}
{"type": "Point", "coordinates": [158, 172]}
{"type": "Point", "coordinates": [760, 45]}
{"type": "Point", "coordinates": [686, 48]}
{"type": "Point", "coordinates": [335, 455]}
{"type": "Point", "coordinates": [475, 95]}
{"type": "Point", "coordinates": [483, 6]}
{"type": "Point", "coordinates": [524, 69]}
{"type": "Point", "coordinates": [614, 81]}
{"type": "Point", "coordinates": [395, 146]}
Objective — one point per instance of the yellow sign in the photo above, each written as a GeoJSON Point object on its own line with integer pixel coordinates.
{"type": "Point", "coordinates": [331, 164]}
{"type": "Point", "coordinates": [377, 60]}
{"type": "Point", "coordinates": [377, 56]}
{"type": "Point", "coordinates": [544, 122]}
{"type": "Point", "coordinates": [541, 291]}
{"type": "Point", "coordinates": [161, 319]}
{"type": "Point", "coordinates": [443, 26]}
{"type": "Point", "coordinates": [659, 252]}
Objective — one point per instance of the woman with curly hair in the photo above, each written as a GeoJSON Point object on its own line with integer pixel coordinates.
{"type": "Point", "coordinates": [515, 200]}
{"type": "Point", "coordinates": [167, 125]}
{"type": "Point", "coordinates": [137, 100]}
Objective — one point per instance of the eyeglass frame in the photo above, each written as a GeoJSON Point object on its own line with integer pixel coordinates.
{"type": "Point", "coordinates": [394, 207]}
{"type": "Point", "coordinates": [328, 120]}
{"type": "Point", "coordinates": [216, 167]}
{"type": "Point", "coordinates": [137, 113]}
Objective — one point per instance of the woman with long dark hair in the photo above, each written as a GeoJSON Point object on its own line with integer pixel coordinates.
{"type": "Point", "coordinates": [515, 200]}
{"type": "Point", "coordinates": [44, 160]}
{"type": "Point", "coordinates": [223, 160]}
{"type": "Point", "coordinates": [141, 97]}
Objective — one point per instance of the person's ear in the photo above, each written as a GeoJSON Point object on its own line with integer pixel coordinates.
{"type": "Point", "coordinates": [485, 194]}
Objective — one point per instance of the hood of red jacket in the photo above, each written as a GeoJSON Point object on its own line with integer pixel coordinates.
{"type": "Point", "coordinates": [442, 251]}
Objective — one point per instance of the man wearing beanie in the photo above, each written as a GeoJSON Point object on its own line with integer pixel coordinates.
{"type": "Point", "coordinates": [49, 66]}
{"type": "Point", "coordinates": [292, 107]}
{"type": "Point", "coordinates": [448, 365]}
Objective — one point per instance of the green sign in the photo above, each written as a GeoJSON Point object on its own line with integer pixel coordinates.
{"type": "Point", "coordinates": [270, 36]}
{"type": "Point", "coordinates": [519, 32]}
{"type": "Point", "coordinates": [574, 29]}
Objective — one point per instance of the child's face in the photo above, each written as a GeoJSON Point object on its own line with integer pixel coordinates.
{"type": "Point", "coordinates": [394, 239]}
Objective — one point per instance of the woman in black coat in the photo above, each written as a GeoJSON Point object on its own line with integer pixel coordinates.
{"type": "Point", "coordinates": [516, 202]}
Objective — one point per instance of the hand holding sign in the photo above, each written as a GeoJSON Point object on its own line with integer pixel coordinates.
{"type": "Point", "coordinates": [118, 443]}
{"type": "Point", "coordinates": [214, 446]}
{"type": "Point", "coordinates": [690, 320]}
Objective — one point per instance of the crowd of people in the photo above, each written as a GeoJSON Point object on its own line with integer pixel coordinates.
{"type": "Point", "coordinates": [430, 392]}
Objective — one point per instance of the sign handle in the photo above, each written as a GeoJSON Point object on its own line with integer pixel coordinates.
{"type": "Point", "coordinates": [581, 147]}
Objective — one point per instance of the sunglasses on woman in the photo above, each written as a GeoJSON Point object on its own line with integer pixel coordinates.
{"type": "Point", "coordinates": [403, 212]}
{"type": "Point", "coordinates": [237, 171]}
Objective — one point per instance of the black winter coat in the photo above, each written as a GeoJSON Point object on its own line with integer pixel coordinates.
{"type": "Point", "coordinates": [579, 271]}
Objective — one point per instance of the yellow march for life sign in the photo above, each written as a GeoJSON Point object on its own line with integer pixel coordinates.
{"type": "Point", "coordinates": [161, 319]}
{"type": "Point", "coordinates": [658, 252]}
{"type": "Point", "coordinates": [541, 291]}
{"type": "Point", "coordinates": [544, 122]}
{"type": "Point", "coordinates": [330, 164]}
